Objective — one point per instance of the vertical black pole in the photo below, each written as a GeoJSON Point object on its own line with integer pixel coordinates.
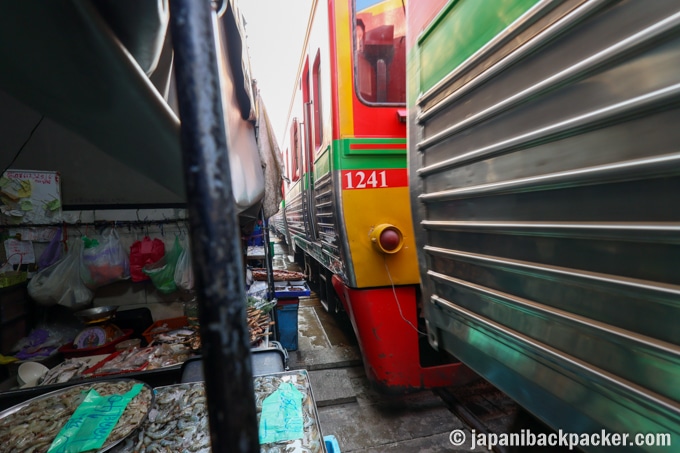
{"type": "Point", "coordinates": [215, 232]}
{"type": "Point", "coordinates": [269, 256]}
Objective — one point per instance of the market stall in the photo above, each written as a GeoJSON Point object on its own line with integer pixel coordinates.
{"type": "Point", "coordinates": [108, 287]}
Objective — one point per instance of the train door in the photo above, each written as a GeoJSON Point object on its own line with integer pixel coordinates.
{"type": "Point", "coordinates": [308, 154]}
{"type": "Point", "coordinates": [313, 136]}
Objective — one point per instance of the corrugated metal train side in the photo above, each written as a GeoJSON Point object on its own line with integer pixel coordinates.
{"type": "Point", "coordinates": [545, 177]}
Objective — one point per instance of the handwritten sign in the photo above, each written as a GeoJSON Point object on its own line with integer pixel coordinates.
{"type": "Point", "coordinates": [92, 422]}
{"type": "Point", "coordinates": [19, 252]}
{"type": "Point", "coordinates": [30, 197]}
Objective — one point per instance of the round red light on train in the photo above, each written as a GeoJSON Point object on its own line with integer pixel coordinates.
{"type": "Point", "coordinates": [387, 238]}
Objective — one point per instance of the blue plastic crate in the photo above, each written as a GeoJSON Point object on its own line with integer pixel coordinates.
{"type": "Point", "coordinates": [331, 444]}
{"type": "Point", "coordinates": [287, 324]}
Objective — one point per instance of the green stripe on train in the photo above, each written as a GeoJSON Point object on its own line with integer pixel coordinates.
{"type": "Point", "coordinates": [463, 28]}
{"type": "Point", "coordinates": [393, 155]}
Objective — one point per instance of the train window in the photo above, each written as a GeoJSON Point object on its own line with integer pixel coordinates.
{"type": "Point", "coordinates": [287, 164]}
{"type": "Point", "coordinates": [379, 51]}
{"type": "Point", "coordinates": [306, 119]}
{"type": "Point", "coordinates": [295, 150]}
{"type": "Point", "coordinates": [316, 100]}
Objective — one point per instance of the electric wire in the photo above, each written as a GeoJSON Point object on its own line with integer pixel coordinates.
{"type": "Point", "coordinates": [42, 117]}
{"type": "Point", "coordinates": [394, 291]}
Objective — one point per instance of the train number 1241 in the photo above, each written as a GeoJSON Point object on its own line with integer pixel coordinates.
{"type": "Point", "coordinates": [374, 179]}
{"type": "Point", "coordinates": [365, 179]}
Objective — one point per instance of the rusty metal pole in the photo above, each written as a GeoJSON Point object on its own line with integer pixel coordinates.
{"type": "Point", "coordinates": [215, 232]}
{"type": "Point", "coordinates": [269, 257]}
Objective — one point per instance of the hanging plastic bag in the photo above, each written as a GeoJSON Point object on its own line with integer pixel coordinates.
{"type": "Point", "coordinates": [143, 253]}
{"type": "Point", "coordinates": [104, 261]}
{"type": "Point", "coordinates": [162, 273]}
{"type": "Point", "coordinates": [52, 253]}
{"type": "Point", "coordinates": [61, 283]}
{"type": "Point", "coordinates": [184, 272]}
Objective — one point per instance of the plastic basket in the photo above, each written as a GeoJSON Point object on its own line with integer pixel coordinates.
{"type": "Point", "coordinates": [12, 278]}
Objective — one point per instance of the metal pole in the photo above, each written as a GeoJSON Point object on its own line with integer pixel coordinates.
{"type": "Point", "coordinates": [269, 256]}
{"type": "Point", "coordinates": [215, 232]}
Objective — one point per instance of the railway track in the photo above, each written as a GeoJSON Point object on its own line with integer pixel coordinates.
{"type": "Point", "coordinates": [485, 409]}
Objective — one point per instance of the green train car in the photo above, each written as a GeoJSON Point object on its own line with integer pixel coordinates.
{"type": "Point", "coordinates": [544, 171]}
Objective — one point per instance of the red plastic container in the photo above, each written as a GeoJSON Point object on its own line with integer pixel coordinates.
{"type": "Point", "coordinates": [172, 323]}
{"type": "Point", "coordinates": [70, 351]}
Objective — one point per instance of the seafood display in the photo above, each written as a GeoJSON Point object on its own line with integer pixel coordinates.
{"type": "Point", "coordinates": [280, 275]}
{"type": "Point", "coordinates": [162, 327]}
{"type": "Point", "coordinates": [124, 361]}
{"type": "Point", "coordinates": [66, 371]}
{"type": "Point", "coordinates": [149, 358]}
{"type": "Point", "coordinates": [168, 355]}
{"type": "Point", "coordinates": [186, 335]}
{"type": "Point", "coordinates": [178, 420]}
{"type": "Point", "coordinates": [312, 441]}
{"type": "Point", "coordinates": [33, 425]}
{"type": "Point", "coordinates": [290, 289]}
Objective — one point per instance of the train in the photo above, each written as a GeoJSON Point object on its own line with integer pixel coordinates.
{"type": "Point", "coordinates": [544, 172]}
{"type": "Point", "coordinates": [346, 213]}
{"type": "Point", "coordinates": [499, 185]}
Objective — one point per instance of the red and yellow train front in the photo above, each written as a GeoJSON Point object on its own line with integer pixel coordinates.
{"type": "Point", "coordinates": [380, 283]}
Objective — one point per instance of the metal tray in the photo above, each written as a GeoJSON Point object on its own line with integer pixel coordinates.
{"type": "Point", "coordinates": [264, 385]}
{"type": "Point", "coordinates": [6, 416]}
{"type": "Point", "coordinates": [289, 290]}
{"type": "Point", "coordinates": [97, 314]}
{"type": "Point", "coordinates": [313, 441]}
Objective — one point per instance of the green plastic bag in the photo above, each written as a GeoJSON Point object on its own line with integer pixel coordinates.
{"type": "Point", "coordinates": [91, 424]}
{"type": "Point", "coordinates": [162, 272]}
{"type": "Point", "coordinates": [281, 418]}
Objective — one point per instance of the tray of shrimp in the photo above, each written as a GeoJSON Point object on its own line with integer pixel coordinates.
{"type": "Point", "coordinates": [179, 419]}
{"type": "Point", "coordinates": [35, 424]}
{"type": "Point", "coordinates": [312, 439]}
{"type": "Point", "coordinates": [177, 422]}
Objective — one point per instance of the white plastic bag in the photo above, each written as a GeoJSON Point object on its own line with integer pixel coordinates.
{"type": "Point", "coordinates": [104, 260]}
{"type": "Point", "coordinates": [61, 283]}
{"type": "Point", "coordinates": [184, 272]}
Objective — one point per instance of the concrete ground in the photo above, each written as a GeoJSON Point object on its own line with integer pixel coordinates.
{"type": "Point", "coordinates": [361, 419]}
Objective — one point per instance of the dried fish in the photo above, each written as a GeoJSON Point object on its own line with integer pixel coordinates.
{"type": "Point", "coordinates": [258, 324]}
{"type": "Point", "coordinates": [68, 370]}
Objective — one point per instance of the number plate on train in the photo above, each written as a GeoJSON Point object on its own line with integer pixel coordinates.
{"type": "Point", "coordinates": [374, 179]}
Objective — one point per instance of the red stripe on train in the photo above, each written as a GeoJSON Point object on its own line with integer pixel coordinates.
{"type": "Point", "coordinates": [377, 146]}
